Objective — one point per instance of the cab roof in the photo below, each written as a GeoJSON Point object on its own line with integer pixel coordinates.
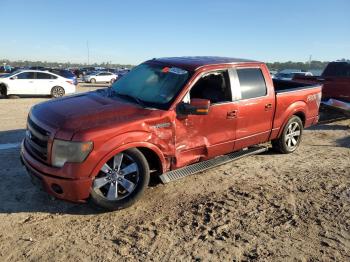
{"type": "Point", "coordinates": [192, 63]}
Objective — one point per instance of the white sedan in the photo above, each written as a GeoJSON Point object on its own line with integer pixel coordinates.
{"type": "Point", "coordinates": [34, 82]}
{"type": "Point", "coordinates": [100, 77]}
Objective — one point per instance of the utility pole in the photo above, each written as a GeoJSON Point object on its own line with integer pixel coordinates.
{"type": "Point", "coordinates": [88, 51]}
{"type": "Point", "coordinates": [310, 58]}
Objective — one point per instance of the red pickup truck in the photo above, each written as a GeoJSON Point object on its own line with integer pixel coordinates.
{"type": "Point", "coordinates": [335, 80]}
{"type": "Point", "coordinates": [168, 117]}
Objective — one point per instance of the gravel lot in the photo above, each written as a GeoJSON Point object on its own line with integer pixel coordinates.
{"type": "Point", "coordinates": [267, 207]}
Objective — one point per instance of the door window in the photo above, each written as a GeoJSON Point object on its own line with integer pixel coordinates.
{"type": "Point", "coordinates": [252, 83]}
{"type": "Point", "coordinates": [44, 76]}
{"type": "Point", "coordinates": [214, 86]}
{"type": "Point", "coordinates": [26, 75]}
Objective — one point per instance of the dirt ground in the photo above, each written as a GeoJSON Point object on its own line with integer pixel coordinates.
{"type": "Point", "coordinates": [268, 207]}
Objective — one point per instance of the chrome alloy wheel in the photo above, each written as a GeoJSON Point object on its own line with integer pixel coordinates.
{"type": "Point", "coordinates": [293, 135]}
{"type": "Point", "coordinates": [57, 91]}
{"type": "Point", "coordinates": [117, 178]}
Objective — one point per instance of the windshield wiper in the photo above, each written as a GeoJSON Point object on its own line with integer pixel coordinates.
{"type": "Point", "coordinates": [129, 97]}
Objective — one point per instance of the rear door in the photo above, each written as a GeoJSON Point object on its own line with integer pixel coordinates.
{"type": "Point", "coordinates": [44, 83]}
{"type": "Point", "coordinates": [23, 84]}
{"type": "Point", "coordinates": [105, 77]}
{"type": "Point", "coordinates": [255, 108]}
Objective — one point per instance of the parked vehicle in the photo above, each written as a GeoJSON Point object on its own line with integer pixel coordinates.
{"type": "Point", "coordinates": [164, 115]}
{"type": "Point", "coordinates": [122, 73]}
{"type": "Point", "coordinates": [289, 76]}
{"type": "Point", "coordinates": [83, 71]}
{"type": "Point", "coordinates": [34, 82]}
{"type": "Point", "coordinates": [335, 80]}
{"type": "Point", "coordinates": [41, 68]}
{"type": "Point", "coordinates": [102, 76]}
{"type": "Point", "coordinates": [5, 69]}
{"type": "Point", "coordinates": [66, 74]}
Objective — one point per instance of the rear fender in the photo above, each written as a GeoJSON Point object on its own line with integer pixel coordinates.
{"type": "Point", "coordinates": [297, 108]}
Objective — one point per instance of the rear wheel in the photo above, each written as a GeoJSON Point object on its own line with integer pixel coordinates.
{"type": "Point", "coordinates": [57, 91]}
{"type": "Point", "coordinates": [121, 180]}
{"type": "Point", "coordinates": [92, 80]}
{"type": "Point", "coordinates": [290, 138]}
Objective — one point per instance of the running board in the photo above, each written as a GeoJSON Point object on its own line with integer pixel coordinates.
{"type": "Point", "coordinates": [204, 165]}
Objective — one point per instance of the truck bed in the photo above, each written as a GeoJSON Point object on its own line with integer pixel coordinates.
{"type": "Point", "coordinates": [282, 86]}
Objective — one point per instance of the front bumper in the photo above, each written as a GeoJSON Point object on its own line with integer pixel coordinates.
{"type": "Point", "coordinates": [74, 190]}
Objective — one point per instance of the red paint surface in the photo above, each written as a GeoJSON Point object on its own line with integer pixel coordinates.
{"type": "Point", "coordinates": [115, 125]}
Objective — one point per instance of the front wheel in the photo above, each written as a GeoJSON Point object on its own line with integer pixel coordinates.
{"type": "Point", "coordinates": [290, 138]}
{"type": "Point", "coordinates": [92, 80]}
{"type": "Point", "coordinates": [121, 180]}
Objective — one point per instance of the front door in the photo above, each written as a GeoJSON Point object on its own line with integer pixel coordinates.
{"type": "Point", "coordinates": [201, 137]}
{"type": "Point", "coordinates": [23, 83]}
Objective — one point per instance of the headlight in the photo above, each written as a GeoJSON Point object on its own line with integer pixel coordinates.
{"type": "Point", "coordinates": [69, 151]}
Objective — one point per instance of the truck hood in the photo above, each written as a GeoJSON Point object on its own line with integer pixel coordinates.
{"type": "Point", "coordinates": [85, 111]}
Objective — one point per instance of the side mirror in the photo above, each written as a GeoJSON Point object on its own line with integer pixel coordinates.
{"type": "Point", "coordinates": [197, 106]}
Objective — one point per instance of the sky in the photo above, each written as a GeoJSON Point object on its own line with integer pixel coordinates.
{"type": "Point", "coordinates": [129, 32]}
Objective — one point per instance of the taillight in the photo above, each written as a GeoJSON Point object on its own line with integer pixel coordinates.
{"type": "Point", "coordinates": [70, 82]}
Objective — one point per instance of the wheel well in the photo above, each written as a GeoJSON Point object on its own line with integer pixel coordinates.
{"type": "Point", "coordinates": [152, 159]}
{"type": "Point", "coordinates": [301, 116]}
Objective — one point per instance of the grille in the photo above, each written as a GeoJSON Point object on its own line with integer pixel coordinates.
{"type": "Point", "coordinates": [37, 140]}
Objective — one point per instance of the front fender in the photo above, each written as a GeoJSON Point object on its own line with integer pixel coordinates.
{"type": "Point", "coordinates": [119, 144]}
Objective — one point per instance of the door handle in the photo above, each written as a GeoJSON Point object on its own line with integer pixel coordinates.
{"type": "Point", "coordinates": [231, 114]}
{"type": "Point", "coordinates": [268, 106]}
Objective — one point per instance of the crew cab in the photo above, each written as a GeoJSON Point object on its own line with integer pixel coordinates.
{"type": "Point", "coordinates": [164, 115]}
{"type": "Point", "coordinates": [335, 80]}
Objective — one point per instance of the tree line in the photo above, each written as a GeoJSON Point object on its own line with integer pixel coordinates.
{"type": "Point", "coordinates": [305, 66]}
{"type": "Point", "coordinates": [21, 63]}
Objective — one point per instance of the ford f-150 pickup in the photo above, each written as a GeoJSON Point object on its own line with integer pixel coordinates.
{"type": "Point", "coordinates": [335, 80]}
{"type": "Point", "coordinates": [167, 117]}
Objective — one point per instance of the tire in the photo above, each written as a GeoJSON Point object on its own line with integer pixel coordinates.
{"type": "Point", "coordinates": [57, 91]}
{"type": "Point", "coordinates": [112, 190]}
{"type": "Point", "coordinates": [3, 91]}
{"type": "Point", "coordinates": [291, 136]}
{"type": "Point", "coordinates": [92, 80]}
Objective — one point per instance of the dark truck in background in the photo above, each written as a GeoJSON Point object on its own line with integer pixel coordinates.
{"type": "Point", "coordinates": [335, 80]}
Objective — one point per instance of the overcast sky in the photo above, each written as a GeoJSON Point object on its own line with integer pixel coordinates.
{"type": "Point", "coordinates": [134, 31]}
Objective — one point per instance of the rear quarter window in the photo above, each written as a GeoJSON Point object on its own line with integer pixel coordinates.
{"type": "Point", "coordinates": [252, 83]}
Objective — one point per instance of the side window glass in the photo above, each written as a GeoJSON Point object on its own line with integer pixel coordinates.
{"type": "Point", "coordinates": [252, 83]}
{"type": "Point", "coordinates": [214, 86]}
{"type": "Point", "coordinates": [26, 75]}
{"type": "Point", "coordinates": [44, 76]}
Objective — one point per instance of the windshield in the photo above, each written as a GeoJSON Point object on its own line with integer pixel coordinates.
{"type": "Point", "coordinates": [153, 85]}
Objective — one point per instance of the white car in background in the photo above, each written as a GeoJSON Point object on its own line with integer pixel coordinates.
{"type": "Point", "coordinates": [101, 76]}
{"type": "Point", "coordinates": [34, 82]}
